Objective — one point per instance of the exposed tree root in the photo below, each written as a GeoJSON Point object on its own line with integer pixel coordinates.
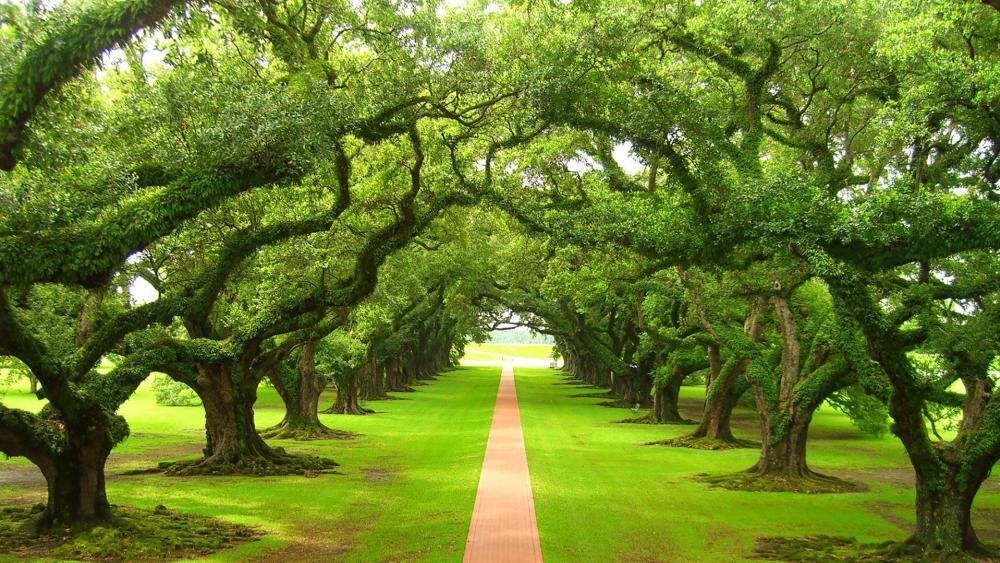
{"type": "Point", "coordinates": [306, 433]}
{"type": "Point", "coordinates": [598, 395]}
{"type": "Point", "coordinates": [705, 443]}
{"type": "Point", "coordinates": [273, 462]}
{"type": "Point", "coordinates": [355, 411]}
{"type": "Point", "coordinates": [649, 419]}
{"type": "Point", "coordinates": [836, 548]}
{"type": "Point", "coordinates": [813, 483]}
{"type": "Point", "coordinates": [616, 404]}
{"type": "Point", "coordinates": [132, 534]}
{"type": "Point", "coordinates": [378, 397]}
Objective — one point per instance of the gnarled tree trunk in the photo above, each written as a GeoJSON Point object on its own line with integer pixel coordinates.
{"type": "Point", "coordinates": [665, 400]}
{"type": "Point", "coordinates": [347, 398]}
{"type": "Point", "coordinates": [75, 477]}
{"type": "Point", "coordinates": [373, 380]}
{"type": "Point", "coordinates": [300, 391]}
{"type": "Point", "coordinates": [715, 424]}
{"type": "Point", "coordinates": [233, 445]}
{"type": "Point", "coordinates": [944, 504]}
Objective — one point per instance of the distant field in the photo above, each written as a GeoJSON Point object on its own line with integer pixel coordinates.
{"type": "Point", "coordinates": [485, 352]}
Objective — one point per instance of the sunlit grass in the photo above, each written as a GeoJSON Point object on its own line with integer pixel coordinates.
{"type": "Point", "coordinates": [602, 496]}
{"type": "Point", "coordinates": [405, 489]}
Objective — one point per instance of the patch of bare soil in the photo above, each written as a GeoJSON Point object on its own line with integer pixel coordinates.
{"type": "Point", "coordinates": [26, 480]}
{"type": "Point", "coordinates": [886, 511]}
{"type": "Point", "coordinates": [21, 476]}
{"type": "Point", "coordinates": [818, 548]}
{"type": "Point", "coordinates": [898, 476]}
{"type": "Point", "coordinates": [316, 543]}
{"type": "Point", "coordinates": [841, 548]}
{"type": "Point", "coordinates": [124, 465]}
{"type": "Point", "coordinates": [378, 474]}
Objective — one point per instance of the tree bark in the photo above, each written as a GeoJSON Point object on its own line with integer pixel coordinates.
{"type": "Point", "coordinates": [230, 429]}
{"type": "Point", "coordinates": [665, 400]}
{"type": "Point", "coordinates": [373, 380]}
{"type": "Point", "coordinates": [347, 398]}
{"type": "Point", "coordinates": [300, 392]}
{"type": "Point", "coordinates": [786, 456]}
{"type": "Point", "coordinates": [944, 504]}
{"type": "Point", "coordinates": [233, 445]}
{"type": "Point", "coordinates": [714, 424]}
{"type": "Point", "coordinates": [721, 397]}
{"type": "Point", "coordinates": [75, 478]}
{"type": "Point", "coordinates": [637, 390]}
{"type": "Point", "coordinates": [725, 386]}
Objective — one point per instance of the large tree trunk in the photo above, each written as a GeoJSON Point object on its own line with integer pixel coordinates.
{"type": "Point", "coordinates": [715, 423]}
{"type": "Point", "coordinates": [944, 503]}
{"type": "Point", "coordinates": [395, 377]}
{"type": "Point", "coordinates": [75, 478]}
{"type": "Point", "coordinates": [725, 386]}
{"type": "Point", "coordinates": [784, 424]}
{"type": "Point", "coordinates": [620, 388]}
{"type": "Point", "coordinates": [785, 456]}
{"type": "Point", "coordinates": [373, 380]}
{"type": "Point", "coordinates": [347, 398]}
{"type": "Point", "coordinates": [641, 387]}
{"type": "Point", "coordinates": [665, 400]}
{"type": "Point", "coordinates": [230, 428]}
{"type": "Point", "coordinates": [233, 444]}
{"type": "Point", "coordinates": [71, 460]}
{"type": "Point", "coordinates": [300, 392]}
{"type": "Point", "coordinates": [723, 394]}
{"type": "Point", "coordinates": [714, 432]}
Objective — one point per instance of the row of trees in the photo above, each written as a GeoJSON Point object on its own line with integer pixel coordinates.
{"type": "Point", "coordinates": [257, 185]}
{"type": "Point", "coordinates": [805, 213]}
{"type": "Point", "coordinates": [814, 220]}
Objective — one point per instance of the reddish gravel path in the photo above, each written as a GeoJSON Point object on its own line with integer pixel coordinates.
{"type": "Point", "coordinates": [503, 525]}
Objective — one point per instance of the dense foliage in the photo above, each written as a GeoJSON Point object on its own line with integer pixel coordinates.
{"type": "Point", "coordinates": [793, 204]}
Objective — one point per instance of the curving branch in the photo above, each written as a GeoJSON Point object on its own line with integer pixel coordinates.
{"type": "Point", "coordinates": [76, 39]}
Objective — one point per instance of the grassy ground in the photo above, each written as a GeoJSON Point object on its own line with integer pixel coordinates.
{"type": "Point", "coordinates": [490, 351]}
{"type": "Point", "coordinates": [405, 492]}
{"type": "Point", "coordinates": [601, 496]}
{"type": "Point", "coordinates": [407, 488]}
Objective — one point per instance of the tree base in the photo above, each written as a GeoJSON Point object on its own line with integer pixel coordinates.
{"type": "Point", "coordinates": [275, 462]}
{"type": "Point", "coordinates": [379, 397]}
{"type": "Point", "coordinates": [836, 548]}
{"type": "Point", "coordinates": [648, 419]}
{"type": "Point", "coordinates": [598, 395]}
{"type": "Point", "coordinates": [705, 443]}
{"type": "Point", "coordinates": [305, 433]}
{"type": "Point", "coordinates": [355, 411]}
{"type": "Point", "coordinates": [814, 483]}
{"type": "Point", "coordinates": [623, 404]}
{"type": "Point", "coordinates": [132, 534]}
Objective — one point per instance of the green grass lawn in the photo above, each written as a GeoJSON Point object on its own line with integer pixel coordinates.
{"type": "Point", "coordinates": [601, 496]}
{"type": "Point", "coordinates": [490, 351]}
{"type": "Point", "coordinates": [405, 491]}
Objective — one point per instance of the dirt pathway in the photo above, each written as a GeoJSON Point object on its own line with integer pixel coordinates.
{"type": "Point", "coordinates": [503, 521]}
